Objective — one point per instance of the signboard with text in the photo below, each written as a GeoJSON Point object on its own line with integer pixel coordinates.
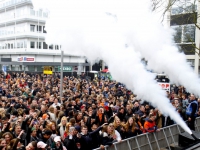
{"type": "Point", "coordinates": [25, 59]}
{"type": "Point", "coordinates": [165, 86]}
{"type": "Point", "coordinates": [65, 68]}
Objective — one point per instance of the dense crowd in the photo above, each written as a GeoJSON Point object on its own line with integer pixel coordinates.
{"type": "Point", "coordinates": [91, 114]}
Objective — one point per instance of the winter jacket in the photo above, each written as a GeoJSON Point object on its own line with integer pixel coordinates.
{"type": "Point", "coordinates": [150, 126]}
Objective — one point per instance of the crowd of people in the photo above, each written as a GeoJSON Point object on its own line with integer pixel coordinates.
{"type": "Point", "coordinates": [89, 115]}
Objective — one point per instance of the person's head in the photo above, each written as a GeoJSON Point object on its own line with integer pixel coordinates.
{"type": "Point", "coordinates": [64, 120]}
{"type": "Point", "coordinates": [72, 131]}
{"type": "Point", "coordinates": [84, 130]}
{"type": "Point", "coordinates": [121, 110]}
{"type": "Point", "coordinates": [117, 121]}
{"type": "Point", "coordinates": [56, 101]}
{"type": "Point", "coordinates": [57, 141]}
{"type": "Point", "coordinates": [130, 120]}
{"type": "Point", "coordinates": [46, 133]}
{"type": "Point", "coordinates": [33, 132]}
{"type": "Point", "coordinates": [147, 106]}
{"type": "Point", "coordinates": [176, 101]}
{"type": "Point", "coordinates": [136, 104]}
{"type": "Point", "coordinates": [192, 97]}
{"type": "Point", "coordinates": [110, 128]}
{"type": "Point", "coordinates": [183, 97]}
{"type": "Point", "coordinates": [79, 116]}
{"type": "Point", "coordinates": [43, 108]}
{"type": "Point", "coordinates": [142, 108]}
{"type": "Point", "coordinates": [32, 146]}
{"type": "Point", "coordinates": [8, 137]}
{"type": "Point", "coordinates": [34, 102]}
{"type": "Point", "coordinates": [152, 117]}
{"type": "Point", "coordinates": [3, 143]}
{"type": "Point", "coordinates": [34, 114]}
{"type": "Point", "coordinates": [41, 145]}
{"type": "Point", "coordinates": [94, 126]}
{"type": "Point", "coordinates": [17, 129]}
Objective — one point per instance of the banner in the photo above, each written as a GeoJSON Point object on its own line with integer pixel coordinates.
{"type": "Point", "coordinates": [25, 59]}
{"type": "Point", "coordinates": [165, 86]}
{"type": "Point", "coordinates": [47, 70]}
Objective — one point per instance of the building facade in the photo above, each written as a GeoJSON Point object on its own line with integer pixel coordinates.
{"type": "Point", "coordinates": [183, 19]}
{"type": "Point", "coordinates": [22, 40]}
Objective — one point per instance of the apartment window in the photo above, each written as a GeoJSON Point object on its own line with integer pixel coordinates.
{"type": "Point", "coordinates": [8, 46]}
{"type": "Point", "coordinates": [39, 28]}
{"type": "Point", "coordinates": [44, 31]}
{"type": "Point", "coordinates": [57, 47]}
{"type": "Point", "coordinates": [32, 28]}
{"type": "Point", "coordinates": [11, 46]}
{"type": "Point", "coordinates": [21, 44]}
{"type": "Point", "coordinates": [39, 45]}
{"type": "Point", "coordinates": [18, 44]}
{"type": "Point", "coordinates": [25, 45]}
{"type": "Point", "coordinates": [50, 46]}
{"type": "Point", "coordinates": [45, 46]}
{"type": "Point", "coordinates": [32, 45]}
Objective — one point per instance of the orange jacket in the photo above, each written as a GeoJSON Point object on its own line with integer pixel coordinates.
{"type": "Point", "coordinates": [150, 126]}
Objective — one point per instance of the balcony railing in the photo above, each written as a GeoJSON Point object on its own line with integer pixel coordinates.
{"type": "Point", "coordinates": [10, 3]}
{"type": "Point", "coordinates": [11, 34]}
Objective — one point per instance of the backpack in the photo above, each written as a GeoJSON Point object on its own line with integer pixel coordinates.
{"type": "Point", "coordinates": [189, 109]}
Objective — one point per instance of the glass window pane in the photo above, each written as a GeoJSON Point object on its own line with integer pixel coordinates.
{"type": "Point", "coordinates": [32, 44]}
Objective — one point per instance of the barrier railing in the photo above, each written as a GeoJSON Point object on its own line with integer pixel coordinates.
{"type": "Point", "coordinates": [152, 141]}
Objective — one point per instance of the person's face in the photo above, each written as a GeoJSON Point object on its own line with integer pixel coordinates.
{"type": "Point", "coordinates": [147, 107]}
{"type": "Point", "coordinates": [136, 104]}
{"type": "Point", "coordinates": [84, 130]}
{"type": "Point", "coordinates": [3, 143]}
{"type": "Point", "coordinates": [142, 109]}
{"type": "Point", "coordinates": [30, 147]}
{"type": "Point", "coordinates": [7, 138]}
{"type": "Point", "coordinates": [130, 121]}
{"type": "Point", "coordinates": [80, 115]}
{"type": "Point", "coordinates": [46, 136]}
{"type": "Point", "coordinates": [94, 127]}
{"type": "Point", "coordinates": [64, 121]}
{"type": "Point", "coordinates": [34, 133]}
{"type": "Point", "coordinates": [110, 128]}
{"type": "Point", "coordinates": [34, 103]}
{"type": "Point", "coordinates": [128, 106]}
{"type": "Point", "coordinates": [56, 101]}
{"type": "Point", "coordinates": [176, 101]}
{"type": "Point", "coordinates": [18, 129]}
{"type": "Point", "coordinates": [192, 97]}
{"type": "Point", "coordinates": [34, 115]}
{"type": "Point", "coordinates": [153, 118]}
{"type": "Point", "coordinates": [122, 110]}
{"type": "Point", "coordinates": [117, 120]}
{"type": "Point", "coordinates": [53, 127]}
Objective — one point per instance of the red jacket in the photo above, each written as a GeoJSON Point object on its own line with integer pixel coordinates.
{"type": "Point", "coordinates": [150, 126]}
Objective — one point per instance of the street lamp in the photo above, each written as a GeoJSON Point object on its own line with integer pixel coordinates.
{"type": "Point", "coordinates": [61, 76]}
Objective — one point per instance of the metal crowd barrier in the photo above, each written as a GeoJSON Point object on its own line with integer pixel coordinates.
{"type": "Point", "coordinates": [152, 141]}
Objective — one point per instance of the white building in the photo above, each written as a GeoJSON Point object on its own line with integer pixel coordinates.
{"type": "Point", "coordinates": [182, 17]}
{"type": "Point", "coordinates": [22, 39]}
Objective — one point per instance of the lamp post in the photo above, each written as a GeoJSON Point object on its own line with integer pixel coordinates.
{"type": "Point", "coordinates": [61, 76]}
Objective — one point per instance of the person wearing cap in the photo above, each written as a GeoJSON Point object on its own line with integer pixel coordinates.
{"type": "Point", "coordinates": [46, 134]}
{"type": "Point", "coordinates": [41, 146]}
{"type": "Point", "coordinates": [58, 144]}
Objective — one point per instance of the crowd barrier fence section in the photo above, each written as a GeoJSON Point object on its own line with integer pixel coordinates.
{"type": "Point", "coordinates": [152, 141]}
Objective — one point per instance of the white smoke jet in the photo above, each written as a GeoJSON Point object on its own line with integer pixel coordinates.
{"type": "Point", "coordinates": [102, 29]}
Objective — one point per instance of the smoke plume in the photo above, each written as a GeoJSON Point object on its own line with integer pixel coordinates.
{"type": "Point", "coordinates": [117, 31]}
